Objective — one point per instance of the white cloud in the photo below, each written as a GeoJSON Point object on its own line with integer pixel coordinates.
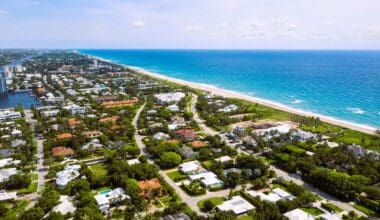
{"type": "Point", "coordinates": [138, 24]}
{"type": "Point", "coordinates": [223, 24]}
{"type": "Point", "coordinates": [194, 28]}
{"type": "Point", "coordinates": [3, 12]}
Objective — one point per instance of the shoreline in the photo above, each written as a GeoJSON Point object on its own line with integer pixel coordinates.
{"type": "Point", "coordinates": [232, 94]}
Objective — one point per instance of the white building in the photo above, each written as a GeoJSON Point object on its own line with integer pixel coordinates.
{"type": "Point", "coordinates": [298, 214]}
{"type": "Point", "coordinates": [208, 179]}
{"type": "Point", "coordinates": [223, 159]}
{"type": "Point", "coordinates": [16, 133]}
{"type": "Point", "coordinates": [229, 108]}
{"type": "Point", "coordinates": [237, 205]}
{"type": "Point", "coordinates": [160, 136]}
{"type": "Point", "coordinates": [7, 196]}
{"type": "Point", "coordinates": [65, 205]}
{"type": "Point", "coordinates": [6, 173]}
{"type": "Point", "coordinates": [71, 92]}
{"type": "Point", "coordinates": [50, 113]}
{"type": "Point", "coordinates": [164, 98]}
{"type": "Point", "coordinates": [277, 194]}
{"type": "Point", "coordinates": [93, 144]}
{"type": "Point", "coordinates": [280, 129]}
{"type": "Point", "coordinates": [9, 115]}
{"type": "Point", "coordinates": [173, 108]}
{"type": "Point", "coordinates": [133, 162]}
{"type": "Point", "coordinates": [70, 172]}
{"type": "Point", "coordinates": [108, 197]}
{"type": "Point", "coordinates": [191, 167]}
{"type": "Point", "coordinates": [9, 162]}
{"type": "Point", "coordinates": [75, 109]}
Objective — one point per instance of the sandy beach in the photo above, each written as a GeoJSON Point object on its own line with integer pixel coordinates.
{"type": "Point", "coordinates": [233, 94]}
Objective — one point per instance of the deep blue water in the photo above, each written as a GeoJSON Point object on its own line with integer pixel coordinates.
{"type": "Point", "coordinates": [16, 99]}
{"type": "Point", "coordinates": [341, 84]}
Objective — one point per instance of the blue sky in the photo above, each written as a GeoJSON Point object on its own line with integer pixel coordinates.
{"type": "Point", "coordinates": [241, 24]}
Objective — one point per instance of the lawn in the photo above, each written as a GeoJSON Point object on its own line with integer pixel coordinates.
{"type": "Point", "coordinates": [207, 164]}
{"type": "Point", "coordinates": [313, 211]}
{"type": "Point", "coordinates": [15, 210]}
{"type": "Point", "coordinates": [31, 188]}
{"type": "Point", "coordinates": [246, 217]}
{"type": "Point", "coordinates": [331, 207]}
{"type": "Point", "coordinates": [364, 209]}
{"type": "Point", "coordinates": [176, 176]}
{"type": "Point", "coordinates": [215, 200]}
{"type": "Point", "coordinates": [34, 176]}
{"type": "Point", "coordinates": [99, 170]}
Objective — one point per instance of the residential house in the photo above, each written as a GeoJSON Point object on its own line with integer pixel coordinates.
{"type": "Point", "coordinates": [187, 152]}
{"type": "Point", "coordinates": [9, 162]}
{"type": "Point", "coordinates": [108, 197]}
{"type": "Point", "coordinates": [177, 216]}
{"type": "Point", "coordinates": [6, 173]}
{"type": "Point", "coordinates": [298, 214]}
{"type": "Point", "coordinates": [187, 134]}
{"type": "Point", "coordinates": [190, 168]}
{"type": "Point", "coordinates": [208, 179]}
{"type": "Point", "coordinates": [70, 173]}
{"type": "Point", "coordinates": [75, 109]}
{"type": "Point", "coordinates": [64, 136]}
{"type": "Point", "coordinates": [229, 108]}
{"type": "Point", "coordinates": [150, 188]}
{"type": "Point", "coordinates": [160, 136]}
{"type": "Point", "coordinates": [164, 98]}
{"type": "Point", "coordinates": [7, 196]}
{"type": "Point", "coordinates": [63, 151]}
{"type": "Point", "coordinates": [237, 205]}
{"type": "Point", "coordinates": [173, 108]}
{"type": "Point", "coordinates": [65, 206]}
{"type": "Point", "coordinates": [93, 134]}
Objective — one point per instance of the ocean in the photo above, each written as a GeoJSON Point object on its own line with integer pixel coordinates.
{"type": "Point", "coordinates": [344, 85]}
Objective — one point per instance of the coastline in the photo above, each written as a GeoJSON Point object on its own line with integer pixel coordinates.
{"type": "Point", "coordinates": [278, 106]}
{"type": "Point", "coordinates": [233, 94]}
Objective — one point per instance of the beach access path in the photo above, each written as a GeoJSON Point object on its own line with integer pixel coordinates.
{"type": "Point", "coordinates": [280, 173]}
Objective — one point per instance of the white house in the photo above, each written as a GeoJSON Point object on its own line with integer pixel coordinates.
{"type": "Point", "coordinates": [161, 136]}
{"type": "Point", "coordinates": [133, 162]}
{"type": "Point", "coordinates": [65, 205]}
{"type": "Point", "coordinates": [208, 179]}
{"type": "Point", "coordinates": [75, 109]}
{"type": "Point", "coordinates": [277, 194]}
{"type": "Point", "coordinates": [223, 159]}
{"type": "Point", "coordinates": [6, 173]}
{"type": "Point", "coordinates": [298, 214]}
{"type": "Point", "coordinates": [190, 167]}
{"type": "Point", "coordinates": [229, 108]}
{"type": "Point", "coordinates": [108, 197]}
{"type": "Point", "coordinates": [237, 205]}
{"type": "Point", "coordinates": [16, 133]}
{"type": "Point", "coordinates": [173, 108]}
{"type": "Point", "coordinates": [63, 177]}
{"type": "Point", "coordinates": [164, 98]}
{"type": "Point", "coordinates": [50, 113]}
{"type": "Point", "coordinates": [9, 115]}
{"type": "Point", "coordinates": [7, 196]}
{"type": "Point", "coordinates": [9, 162]}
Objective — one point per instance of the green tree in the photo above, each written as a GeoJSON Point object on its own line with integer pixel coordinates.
{"type": "Point", "coordinates": [170, 160]}
{"type": "Point", "coordinates": [55, 216]}
{"type": "Point", "coordinates": [35, 213]}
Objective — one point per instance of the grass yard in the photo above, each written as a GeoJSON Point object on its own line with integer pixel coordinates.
{"type": "Point", "coordinates": [246, 217]}
{"type": "Point", "coordinates": [31, 188]}
{"type": "Point", "coordinates": [207, 164]}
{"type": "Point", "coordinates": [176, 176]}
{"type": "Point", "coordinates": [215, 200]}
{"type": "Point", "coordinates": [331, 207]}
{"type": "Point", "coordinates": [16, 209]}
{"type": "Point", "coordinates": [34, 176]}
{"type": "Point", "coordinates": [99, 170]}
{"type": "Point", "coordinates": [364, 209]}
{"type": "Point", "coordinates": [313, 211]}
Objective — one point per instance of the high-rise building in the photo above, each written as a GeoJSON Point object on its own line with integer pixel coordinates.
{"type": "Point", "coordinates": [3, 82]}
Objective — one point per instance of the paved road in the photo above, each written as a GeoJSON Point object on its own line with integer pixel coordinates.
{"type": "Point", "coordinates": [41, 169]}
{"type": "Point", "coordinates": [289, 177]}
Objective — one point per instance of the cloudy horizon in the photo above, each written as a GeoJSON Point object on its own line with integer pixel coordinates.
{"type": "Point", "coordinates": [175, 24]}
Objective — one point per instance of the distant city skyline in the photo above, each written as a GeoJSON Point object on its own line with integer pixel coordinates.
{"type": "Point", "coordinates": [197, 24]}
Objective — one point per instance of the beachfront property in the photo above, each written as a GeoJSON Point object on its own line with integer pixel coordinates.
{"type": "Point", "coordinates": [277, 194]}
{"type": "Point", "coordinates": [190, 168]}
{"type": "Point", "coordinates": [7, 172]}
{"type": "Point", "coordinates": [237, 205]}
{"type": "Point", "coordinates": [298, 214]}
{"type": "Point", "coordinates": [165, 98]}
{"type": "Point", "coordinates": [276, 129]}
{"type": "Point", "coordinates": [108, 197]}
{"type": "Point", "coordinates": [8, 114]}
{"type": "Point", "coordinates": [208, 179]}
{"type": "Point", "coordinates": [229, 108]}
{"type": "Point", "coordinates": [70, 173]}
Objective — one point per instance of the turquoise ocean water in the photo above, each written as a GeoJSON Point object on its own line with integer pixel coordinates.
{"type": "Point", "coordinates": [341, 84]}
